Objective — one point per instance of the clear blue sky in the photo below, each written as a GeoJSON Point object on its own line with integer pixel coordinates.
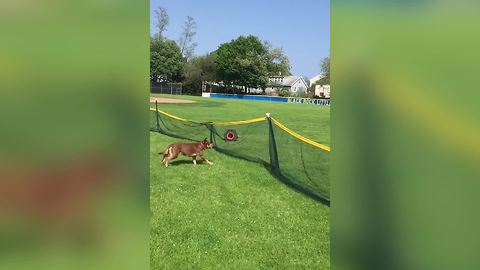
{"type": "Point", "coordinates": [301, 27]}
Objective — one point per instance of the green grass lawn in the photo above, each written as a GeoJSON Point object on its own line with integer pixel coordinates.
{"type": "Point", "coordinates": [235, 214]}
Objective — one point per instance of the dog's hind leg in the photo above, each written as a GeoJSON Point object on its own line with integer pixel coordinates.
{"type": "Point", "coordinates": [167, 156]}
{"type": "Point", "coordinates": [167, 159]}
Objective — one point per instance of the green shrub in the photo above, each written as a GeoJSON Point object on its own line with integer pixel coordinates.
{"type": "Point", "coordinates": [283, 92]}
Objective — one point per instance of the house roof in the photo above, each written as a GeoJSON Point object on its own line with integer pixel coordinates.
{"type": "Point", "coordinates": [289, 80]}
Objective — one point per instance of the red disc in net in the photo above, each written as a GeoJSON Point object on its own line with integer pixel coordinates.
{"type": "Point", "coordinates": [230, 135]}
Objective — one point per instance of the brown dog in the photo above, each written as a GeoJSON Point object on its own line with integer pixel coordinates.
{"type": "Point", "coordinates": [187, 149]}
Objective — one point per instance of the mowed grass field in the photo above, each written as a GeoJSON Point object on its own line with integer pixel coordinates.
{"type": "Point", "coordinates": [235, 214]}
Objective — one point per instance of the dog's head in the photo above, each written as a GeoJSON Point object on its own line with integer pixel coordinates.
{"type": "Point", "coordinates": [206, 144]}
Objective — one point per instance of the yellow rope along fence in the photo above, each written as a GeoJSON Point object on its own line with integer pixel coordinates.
{"type": "Point", "coordinates": [249, 121]}
{"type": "Point", "coordinates": [231, 123]}
{"type": "Point", "coordinates": [300, 137]}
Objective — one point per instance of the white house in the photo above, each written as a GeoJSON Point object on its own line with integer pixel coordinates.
{"type": "Point", "coordinates": [295, 84]}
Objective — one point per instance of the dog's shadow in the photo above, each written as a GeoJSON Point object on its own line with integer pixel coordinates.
{"type": "Point", "coordinates": [183, 162]}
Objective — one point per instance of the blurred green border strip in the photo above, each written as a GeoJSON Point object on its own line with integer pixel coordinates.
{"type": "Point", "coordinates": [74, 134]}
{"type": "Point", "coordinates": [405, 131]}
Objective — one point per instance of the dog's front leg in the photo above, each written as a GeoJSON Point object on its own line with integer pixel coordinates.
{"type": "Point", "coordinates": [194, 160]}
{"type": "Point", "coordinates": [206, 160]}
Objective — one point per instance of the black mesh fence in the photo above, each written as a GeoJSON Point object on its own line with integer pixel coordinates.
{"type": "Point", "coordinates": [300, 165]}
{"type": "Point", "coordinates": [166, 88]}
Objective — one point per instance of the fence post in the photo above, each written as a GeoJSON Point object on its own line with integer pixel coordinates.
{"type": "Point", "coordinates": [211, 128]}
{"type": "Point", "coordinates": [156, 115]}
{"type": "Point", "coordinates": [272, 148]}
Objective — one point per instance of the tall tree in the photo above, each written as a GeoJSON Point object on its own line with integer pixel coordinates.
{"type": "Point", "coordinates": [243, 62]}
{"type": "Point", "coordinates": [307, 80]}
{"type": "Point", "coordinates": [196, 71]}
{"type": "Point", "coordinates": [166, 62]}
{"type": "Point", "coordinates": [162, 21]}
{"type": "Point", "coordinates": [278, 63]}
{"type": "Point", "coordinates": [325, 78]}
{"type": "Point", "coordinates": [325, 68]}
{"type": "Point", "coordinates": [185, 42]}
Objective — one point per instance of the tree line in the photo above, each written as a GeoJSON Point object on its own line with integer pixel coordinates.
{"type": "Point", "coordinates": [245, 62]}
{"type": "Point", "coordinates": [325, 79]}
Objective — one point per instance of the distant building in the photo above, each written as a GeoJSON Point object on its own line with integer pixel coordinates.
{"type": "Point", "coordinates": [295, 84]}
{"type": "Point", "coordinates": [322, 91]}
{"type": "Point", "coordinates": [315, 79]}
